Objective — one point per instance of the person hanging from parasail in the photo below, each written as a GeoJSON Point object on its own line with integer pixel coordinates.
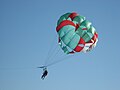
{"type": "Point", "coordinates": [45, 72]}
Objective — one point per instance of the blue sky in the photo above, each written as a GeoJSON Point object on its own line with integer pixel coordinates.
{"type": "Point", "coordinates": [27, 32]}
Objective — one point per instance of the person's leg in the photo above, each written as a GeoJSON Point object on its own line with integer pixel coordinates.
{"type": "Point", "coordinates": [42, 76]}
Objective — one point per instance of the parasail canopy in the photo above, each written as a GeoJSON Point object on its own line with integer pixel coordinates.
{"type": "Point", "coordinates": [75, 33]}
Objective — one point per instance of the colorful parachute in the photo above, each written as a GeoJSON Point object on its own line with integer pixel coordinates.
{"type": "Point", "coordinates": [76, 34]}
